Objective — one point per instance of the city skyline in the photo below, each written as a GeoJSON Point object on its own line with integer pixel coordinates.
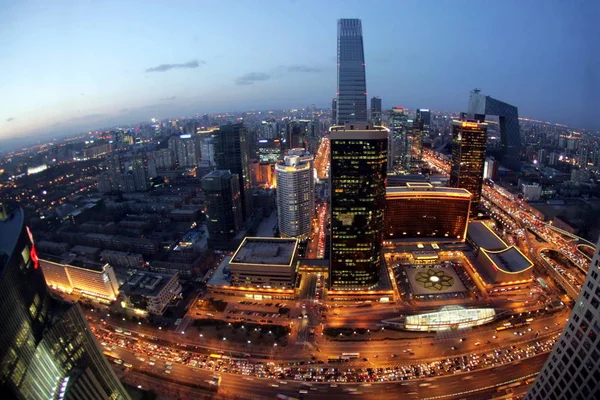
{"type": "Point", "coordinates": [93, 77]}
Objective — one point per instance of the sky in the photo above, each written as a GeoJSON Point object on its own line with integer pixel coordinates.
{"type": "Point", "coordinates": [68, 66]}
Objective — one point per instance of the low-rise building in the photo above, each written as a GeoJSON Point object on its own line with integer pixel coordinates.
{"type": "Point", "coordinates": [149, 292]}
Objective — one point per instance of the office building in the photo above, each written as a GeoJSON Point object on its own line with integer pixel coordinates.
{"type": "Point", "coordinates": [223, 208]}
{"type": "Point", "coordinates": [186, 149]}
{"type": "Point", "coordinates": [46, 347]}
{"type": "Point", "coordinates": [508, 116]}
{"type": "Point", "coordinates": [420, 131]}
{"type": "Point", "coordinates": [573, 369]}
{"type": "Point", "coordinates": [269, 150]}
{"type": "Point", "coordinates": [531, 191]}
{"type": "Point", "coordinates": [262, 174]}
{"type": "Point", "coordinates": [232, 153]}
{"type": "Point", "coordinates": [207, 149]}
{"type": "Point", "coordinates": [295, 195]}
{"type": "Point", "coordinates": [150, 292]}
{"type": "Point", "coordinates": [358, 169]}
{"type": "Point", "coordinates": [490, 168]}
{"type": "Point", "coordinates": [399, 154]}
{"type": "Point", "coordinates": [89, 280]}
{"type": "Point", "coordinates": [334, 110]}
{"type": "Point", "coordinates": [269, 263]}
{"type": "Point", "coordinates": [468, 158]}
{"type": "Point", "coordinates": [420, 210]}
{"type": "Point", "coordinates": [352, 86]}
{"type": "Point", "coordinates": [376, 110]}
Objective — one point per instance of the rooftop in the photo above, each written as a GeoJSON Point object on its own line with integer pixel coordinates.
{"type": "Point", "coordinates": [484, 237]}
{"type": "Point", "coordinates": [270, 251]}
{"type": "Point", "coordinates": [146, 283]}
{"type": "Point", "coordinates": [427, 189]}
{"type": "Point", "coordinates": [509, 260]}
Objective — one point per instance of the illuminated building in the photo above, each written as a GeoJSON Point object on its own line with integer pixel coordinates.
{"type": "Point", "coordinates": [358, 165]}
{"type": "Point", "coordinates": [262, 174]}
{"type": "Point", "coordinates": [89, 280]}
{"type": "Point", "coordinates": [295, 196]}
{"type": "Point", "coordinates": [150, 292]}
{"type": "Point", "coordinates": [269, 150]}
{"type": "Point", "coordinates": [265, 263]}
{"type": "Point", "coordinates": [508, 116]}
{"type": "Point", "coordinates": [186, 149]}
{"type": "Point", "coordinates": [352, 86]}
{"type": "Point", "coordinates": [376, 110]}
{"type": "Point", "coordinates": [573, 369]}
{"type": "Point", "coordinates": [399, 151]}
{"type": "Point", "coordinates": [422, 210]}
{"type": "Point", "coordinates": [468, 158]}
{"type": "Point", "coordinates": [46, 347]}
{"type": "Point", "coordinates": [421, 130]}
{"type": "Point", "coordinates": [232, 153]}
{"type": "Point", "coordinates": [223, 208]}
{"type": "Point", "coordinates": [447, 317]}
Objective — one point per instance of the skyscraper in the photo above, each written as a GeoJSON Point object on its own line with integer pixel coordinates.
{"type": "Point", "coordinates": [376, 110]}
{"type": "Point", "coordinates": [358, 163]}
{"type": "Point", "coordinates": [352, 86]}
{"type": "Point", "coordinates": [573, 369]}
{"type": "Point", "coordinates": [420, 131]}
{"type": "Point", "coordinates": [186, 149]}
{"type": "Point", "coordinates": [468, 158]}
{"type": "Point", "coordinates": [295, 195]}
{"type": "Point", "coordinates": [46, 347]}
{"type": "Point", "coordinates": [334, 110]}
{"type": "Point", "coordinates": [400, 139]}
{"type": "Point", "coordinates": [231, 153]}
{"type": "Point", "coordinates": [223, 208]}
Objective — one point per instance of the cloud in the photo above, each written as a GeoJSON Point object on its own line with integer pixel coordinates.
{"type": "Point", "coordinates": [167, 67]}
{"type": "Point", "coordinates": [124, 110]}
{"type": "Point", "coordinates": [303, 69]}
{"type": "Point", "coordinates": [10, 119]}
{"type": "Point", "coordinates": [251, 77]}
{"type": "Point", "coordinates": [168, 98]}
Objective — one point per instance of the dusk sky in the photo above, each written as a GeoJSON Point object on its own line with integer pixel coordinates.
{"type": "Point", "coordinates": [69, 66]}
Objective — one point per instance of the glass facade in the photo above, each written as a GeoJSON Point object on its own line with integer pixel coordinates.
{"type": "Point", "coordinates": [358, 173]}
{"type": "Point", "coordinates": [223, 208]}
{"type": "Point", "coordinates": [295, 196]}
{"type": "Point", "coordinates": [468, 158]}
{"type": "Point", "coordinates": [352, 86]}
{"type": "Point", "coordinates": [400, 139]}
{"type": "Point", "coordinates": [510, 135]}
{"type": "Point", "coordinates": [420, 131]}
{"type": "Point", "coordinates": [450, 317]}
{"type": "Point", "coordinates": [232, 153]}
{"type": "Point", "coordinates": [426, 213]}
{"type": "Point", "coordinates": [44, 344]}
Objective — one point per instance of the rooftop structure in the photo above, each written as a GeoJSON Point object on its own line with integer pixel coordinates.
{"type": "Point", "coordinates": [481, 236]}
{"type": "Point", "coordinates": [447, 317]}
{"type": "Point", "coordinates": [151, 292]}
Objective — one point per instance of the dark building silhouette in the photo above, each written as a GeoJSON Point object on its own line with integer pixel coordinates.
{"type": "Point", "coordinates": [468, 158]}
{"type": "Point", "coordinates": [46, 347]}
{"type": "Point", "coordinates": [510, 136]}
{"type": "Point", "coordinates": [376, 110]}
{"type": "Point", "coordinates": [231, 153]}
{"type": "Point", "coordinates": [223, 208]}
{"type": "Point", "coordinates": [420, 131]}
{"type": "Point", "coordinates": [357, 179]}
{"type": "Point", "coordinates": [352, 86]}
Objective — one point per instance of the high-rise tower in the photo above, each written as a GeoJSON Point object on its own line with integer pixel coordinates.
{"type": "Point", "coordinates": [358, 172]}
{"type": "Point", "coordinates": [352, 86]}
{"type": "Point", "coordinates": [468, 158]}
{"type": "Point", "coordinates": [295, 195]}
{"type": "Point", "coordinates": [420, 131]}
{"type": "Point", "coordinates": [573, 369]}
{"type": "Point", "coordinates": [46, 347]}
{"type": "Point", "coordinates": [232, 153]}
{"type": "Point", "coordinates": [376, 110]}
{"type": "Point", "coordinates": [223, 208]}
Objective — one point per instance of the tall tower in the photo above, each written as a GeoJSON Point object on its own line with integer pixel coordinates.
{"type": "Point", "coordinates": [401, 139]}
{"type": "Point", "coordinates": [358, 163]}
{"type": "Point", "coordinates": [468, 158]}
{"type": "Point", "coordinates": [46, 347]}
{"type": "Point", "coordinates": [295, 195]}
{"type": "Point", "coordinates": [334, 111]}
{"type": "Point", "coordinates": [231, 153]}
{"type": "Point", "coordinates": [376, 110]}
{"type": "Point", "coordinates": [421, 131]}
{"type": "Point", "coordinates": [352, 86]}
{"type": "Point", "coordinates": [573, 369]}
{"type": "Point", "coordinates": [223, 208]}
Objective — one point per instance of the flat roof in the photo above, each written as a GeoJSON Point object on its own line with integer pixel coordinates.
{"type": "Point", "coordinates": [425, 189]}
{"type": "Point", "coordinates": [147, 283]}
{"type": "Point", "coordinates": [219, 278]}
{"type": "Point", "coordinates": [509, 260]}
{"type": "Point", "coordinates": [484, 237]}
{"type": "Point", "coordinates": [269, 251]}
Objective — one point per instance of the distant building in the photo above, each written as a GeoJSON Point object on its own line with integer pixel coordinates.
{"type": "Point", "coordinates": [400, 139]}
{"type": "Point", "coordinates": [580, 176]}
{"type": "Point", "coordinates": [186, 148]}
{"type": "Point", "coordinates": [295, 196]}
{"type": "Point", "coordinates": [232, 153]}
{"type": "Point", "coordinates": [468, 157]}
{"type": "Point", "coordinates": [490, 168]}
{"type": "Point", "coordinates": [531, 191]}
{"type": "Point", "coordinates": [352, 86]}
{"type": "Point", "coordinates": [334, 110]}
{"type": "Point", "coordinates": [122, 258]}
{"type": "Point", "coordinates": [420, 131]}
{"type": "Point", "coordinates": [262, 174]}
{"type": "Point", "coordinates": [420, 210]}
{"type": "Point", "coordinates": [150, 292]}
{"type": "Point", "coordinates": [265, 263]}
{"type": "Point", "coordinates": [358, 165]}
{"type": "Point", "coordinates": [223, 208]}
{"type": "Point", "coordinates": [572, 371]}
{"type": "Point", "coordinates": [269, 150]}
{"type": "Point", "coordinates": [46, 345]}
{"type": "Point", "coordinates": [376, 110]}
{"type": "Point", "coordinates": [70, 275]}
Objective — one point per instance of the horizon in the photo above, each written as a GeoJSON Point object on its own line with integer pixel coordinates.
{"type": "Point", "coordinates": [93, 77]}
